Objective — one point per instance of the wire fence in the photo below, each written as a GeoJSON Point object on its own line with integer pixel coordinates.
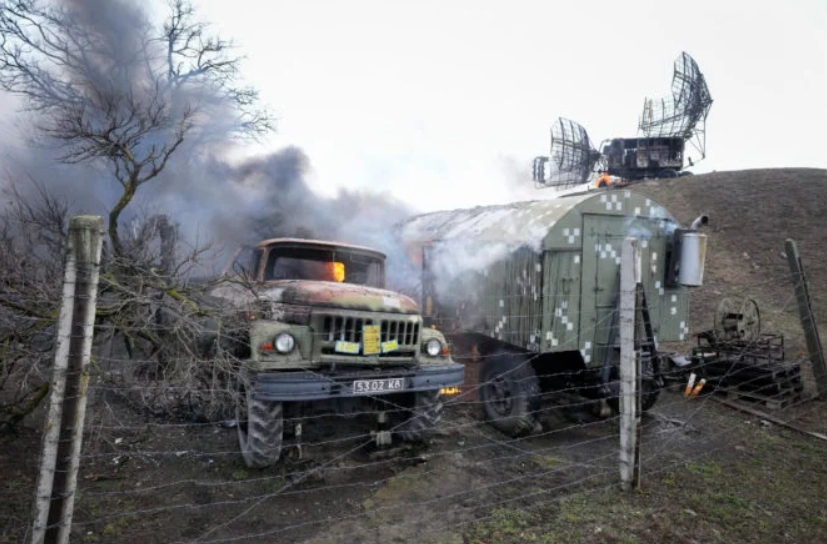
{"type": "Point", "coordinates": [157, 466]}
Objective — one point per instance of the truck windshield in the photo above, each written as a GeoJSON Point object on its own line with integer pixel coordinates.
{"type": "Point", "coordinates": [290, 263]}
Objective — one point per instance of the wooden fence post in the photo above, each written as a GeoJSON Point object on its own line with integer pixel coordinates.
{"type": "Point", "coordinates": [629, 371]}
{"type": "Point", "coordinates": [63, 434]}
{"type": "Point", "coordinates": [808, 321]}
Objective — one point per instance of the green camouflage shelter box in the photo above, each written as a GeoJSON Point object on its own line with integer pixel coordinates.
{"type": "Point", "coordinates": [542, 277]}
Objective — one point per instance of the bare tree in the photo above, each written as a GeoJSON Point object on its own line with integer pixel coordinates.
{"type": "Point", "coordinates": [111, 88]}
{"type": "Point", "coordinates": [149, 310]}
{"type": "Point", "coordinates": [32, 243]}
{"type": "Point", "coordinates": [121, 91]}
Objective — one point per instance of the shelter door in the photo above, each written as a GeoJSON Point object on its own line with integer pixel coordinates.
{"type": "Point", "coordinates": [603, 237]}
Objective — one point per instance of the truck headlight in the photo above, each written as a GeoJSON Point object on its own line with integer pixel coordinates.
{"type": "Point", "coordinates": [285, 342]}
{"type": "Point", "coordinates": [433, 347]}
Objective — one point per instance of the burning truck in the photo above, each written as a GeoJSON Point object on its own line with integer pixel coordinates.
{"type": "Point", "coordinates": [528, 294]}
{"type": "Point", "coordinates": [322, 334]}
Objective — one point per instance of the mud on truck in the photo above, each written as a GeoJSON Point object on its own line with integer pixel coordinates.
{"type": "Point", "coordinates": [323, 335]}
{"type": "Point", "coordinates": [528, 295]}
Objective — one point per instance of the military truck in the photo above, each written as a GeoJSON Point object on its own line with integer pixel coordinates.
{"type": "Point", "coordinates": [528, 295]}
{"type": "Point", "coordinates": [323, 335]}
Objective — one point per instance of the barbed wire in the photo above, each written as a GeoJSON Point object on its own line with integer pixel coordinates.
{"type": "Point", "coordinates": [545, 491]}
{"type": "Point", "coordinates": [253, 536]}
{"type": "Point", "coordinates": [518, 448]}
{"type": "Point", "coordinates": [522, 453]}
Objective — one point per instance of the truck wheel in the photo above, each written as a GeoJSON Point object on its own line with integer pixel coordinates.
{"type": "Point", "coordinates": [510, 394]}
{"type": "Point", "coordinates": [423, 418]}
{"type": "Point", "coordinates": [260, 430]}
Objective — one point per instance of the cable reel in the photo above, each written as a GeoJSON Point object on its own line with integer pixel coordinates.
{"type": "Point", "coordinates": [737, 320]}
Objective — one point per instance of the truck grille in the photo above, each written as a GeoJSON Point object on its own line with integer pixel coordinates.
{"type": "Point", "coordinates": [349, 329]}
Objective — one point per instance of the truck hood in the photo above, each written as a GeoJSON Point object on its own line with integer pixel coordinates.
{"type": "Point", "coordinates": [336, 295]}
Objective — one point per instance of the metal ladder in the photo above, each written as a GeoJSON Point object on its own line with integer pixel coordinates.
{"type": "Point", "coordinates": [645, 344]}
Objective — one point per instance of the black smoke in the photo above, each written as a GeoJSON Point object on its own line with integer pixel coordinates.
{"type": "Point", "coordinates": [212, 198]}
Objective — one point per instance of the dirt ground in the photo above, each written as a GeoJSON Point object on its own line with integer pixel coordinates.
{"type": "Point", "coordinates": [709, 473]}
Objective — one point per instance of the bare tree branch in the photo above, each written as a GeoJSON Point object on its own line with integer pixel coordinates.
{"type": "Point", "coordinates": [129, 101]}
{"type": "Point", "coordinates": [128, 95]}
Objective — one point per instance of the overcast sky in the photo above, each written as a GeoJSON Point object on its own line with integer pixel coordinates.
{"type": "Point", "coordinates": [445, 103]}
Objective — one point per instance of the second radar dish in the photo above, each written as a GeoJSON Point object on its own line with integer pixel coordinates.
{"type": "Point", "coordinates": [572, 159]}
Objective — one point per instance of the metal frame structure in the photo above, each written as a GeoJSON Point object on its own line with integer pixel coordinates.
{"type": "Point", "coordinates": [572, 157]}
{"type": "Point", "coordinates": [683, 114]}
{"type": "Point", "coordinates": [667, 125]}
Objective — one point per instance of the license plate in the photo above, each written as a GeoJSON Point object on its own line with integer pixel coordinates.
{"type": "Point", "coordinates": [366, 387]}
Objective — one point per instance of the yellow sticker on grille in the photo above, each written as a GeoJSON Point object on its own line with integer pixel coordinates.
{"type": "Point", "coordinates": [389, 346]}
{"type": "Point", "coordinates": [351, 348]}
{"type": "Point", "coordinates": [370, 340]}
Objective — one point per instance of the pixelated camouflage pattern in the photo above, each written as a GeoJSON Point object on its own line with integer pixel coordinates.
{"type": "Point", "coordinates": [557, 286]}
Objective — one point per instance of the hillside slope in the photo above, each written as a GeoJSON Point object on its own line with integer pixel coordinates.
{"type": "Point", "coordinates": [752, 213]}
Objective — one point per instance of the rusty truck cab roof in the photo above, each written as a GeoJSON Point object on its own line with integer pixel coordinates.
{"type": "Point", "coordinates": [320, 244]}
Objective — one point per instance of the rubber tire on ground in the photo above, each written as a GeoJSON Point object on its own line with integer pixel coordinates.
{"type": "Point", "coordinates": [510, 393]}
{"type": "Point", "coordinates": [423, 417]}
{"type": "Point", "coordinates": [260, 430]}
{"type": "Point", "coordinates": [668, 173]}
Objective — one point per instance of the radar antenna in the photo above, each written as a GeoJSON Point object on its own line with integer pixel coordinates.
{"type": "Point", "coordinates": [683, 115]}
{"type": "Point", "coordinates": [572, 159]}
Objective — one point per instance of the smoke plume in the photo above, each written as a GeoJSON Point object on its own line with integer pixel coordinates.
{"type": "Point", "coordinates": [212, 198]}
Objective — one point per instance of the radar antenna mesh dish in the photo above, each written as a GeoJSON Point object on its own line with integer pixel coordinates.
{"type": "Point", "coordinates": [683, 115]}
{"type": "Point", "coordinates": [572, 157]}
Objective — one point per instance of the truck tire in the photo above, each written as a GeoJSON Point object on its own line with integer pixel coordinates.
{"type": "Point", "coordinates": [260, 430]}
{"type": "Point", "coordinates": [423, 417]}
{"type": "Point", "coordinates": [510, 394]}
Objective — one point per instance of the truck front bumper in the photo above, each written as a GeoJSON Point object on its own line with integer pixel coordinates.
{"type": "Point", "coordinates": [315, 385]}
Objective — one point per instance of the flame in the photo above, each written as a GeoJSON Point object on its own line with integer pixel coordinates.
{"type": "Point", "coordinates": [336, 271]}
